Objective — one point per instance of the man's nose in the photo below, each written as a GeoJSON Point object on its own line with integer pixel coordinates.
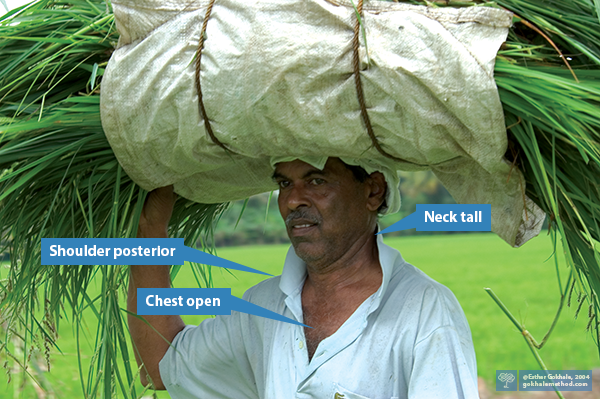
{"type": "Point", "coordinates": [297, 196]}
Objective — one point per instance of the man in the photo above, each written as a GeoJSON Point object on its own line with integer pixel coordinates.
{"type": "Point", "coordinates": [380, 328]}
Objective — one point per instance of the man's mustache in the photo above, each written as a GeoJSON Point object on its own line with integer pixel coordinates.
{"type": "Point", "coordinates": [303, 215]}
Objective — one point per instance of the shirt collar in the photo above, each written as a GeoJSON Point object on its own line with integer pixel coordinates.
{"type": "Point", "coordinates": [294, 274]}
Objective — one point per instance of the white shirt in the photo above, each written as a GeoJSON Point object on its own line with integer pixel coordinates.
{"type": "Point", "coordinates": [410, 339]}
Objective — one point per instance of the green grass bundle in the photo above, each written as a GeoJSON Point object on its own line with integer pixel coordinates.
{"type": "Point", "coordinates": [548, 77]}
{"type": "Point", "coordinates": [60, 178]}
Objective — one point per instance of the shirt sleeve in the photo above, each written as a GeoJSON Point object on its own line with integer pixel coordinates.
{"type": "Point", "coordinates": [210, 361]}
{"type": "Point", "coordinates": [444, 364]}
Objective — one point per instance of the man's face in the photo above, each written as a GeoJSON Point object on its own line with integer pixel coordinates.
{"type": "Point", "coordinates": [326, 211]}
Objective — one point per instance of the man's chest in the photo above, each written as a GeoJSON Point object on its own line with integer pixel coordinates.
{"type": "Point", "coordinates": [326, 314]}
{"type": "Point", "coordinates": [323, 322]}
{"type": "Point", "coordinates": [352, 363]}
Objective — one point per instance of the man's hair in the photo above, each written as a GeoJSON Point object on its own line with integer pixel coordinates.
{"type": "Point", "coordinates": [361, 176]}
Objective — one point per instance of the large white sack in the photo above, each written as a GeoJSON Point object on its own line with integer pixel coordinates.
{"type": "Point", "coordinates": [277, 81]}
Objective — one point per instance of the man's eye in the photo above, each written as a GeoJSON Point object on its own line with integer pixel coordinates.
{"type": "Point", "coordinates": [317, 181]}
{"type": "Point", "coordinates": [283, 183]}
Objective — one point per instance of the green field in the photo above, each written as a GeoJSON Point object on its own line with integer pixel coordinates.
{"type": "Point", "coordinates": [524, 278]}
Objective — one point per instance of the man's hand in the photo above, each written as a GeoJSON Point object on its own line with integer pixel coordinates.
{"type": "Point", "coordinates": [149, 346]}
{"type": "Point", "coordinates": [157, 212]}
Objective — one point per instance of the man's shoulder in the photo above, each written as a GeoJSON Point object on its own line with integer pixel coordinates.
{"type": "Point", "coordinates": [406, 278]}
{"type": "Point", "coordinates": [416, 295]}
{"type": "Point", "coordinates": [411, 279]}
{"type": "Point", "coordinates": [266, 292]}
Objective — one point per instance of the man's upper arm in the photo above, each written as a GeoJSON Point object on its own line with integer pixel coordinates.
{"type": "Point", "coordinates": [444, 363]}
{"type": "Point", "coordinates": [444, 367]}
{"type": "Point", "coordinates": [209, 360]}
{"type": "Point", "coordinates": [222, 357]}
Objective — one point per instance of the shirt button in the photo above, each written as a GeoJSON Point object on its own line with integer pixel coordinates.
{"type": "Point", "coordinates": [301, 345]}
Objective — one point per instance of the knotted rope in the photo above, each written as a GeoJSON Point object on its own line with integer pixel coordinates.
{"type": "Point", "coordinates": [358, 83]}
{"type": "Point", "coordinates": [198, 60]}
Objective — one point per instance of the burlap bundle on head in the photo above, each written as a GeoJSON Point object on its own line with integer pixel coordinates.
{"type": "Point", "coordinates": [277, 80]}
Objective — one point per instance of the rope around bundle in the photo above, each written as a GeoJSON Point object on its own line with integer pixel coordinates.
{"type": "Point", "coordinates": [358, 83]}
{"type": "Point", "coordinates": [201, 108]}
{"type": "Point", "coordinates": [357, 80]}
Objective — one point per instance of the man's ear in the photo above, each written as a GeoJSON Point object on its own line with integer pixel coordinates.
{"type": "Point", "coordinates": [377, 188]}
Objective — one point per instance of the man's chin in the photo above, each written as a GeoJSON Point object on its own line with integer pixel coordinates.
{"type": "Point", "coordinates": [306, 250]}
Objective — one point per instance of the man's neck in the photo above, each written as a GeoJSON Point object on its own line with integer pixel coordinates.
{"type": "Point", "coordinates": [359, 265]}
{"type": "Point", "coordinates": [332, 294]}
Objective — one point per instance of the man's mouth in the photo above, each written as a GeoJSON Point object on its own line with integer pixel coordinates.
{"type": "Point", "coordinates": [301, 222]}
{"type": "Point", "coordinates": [302, 226]}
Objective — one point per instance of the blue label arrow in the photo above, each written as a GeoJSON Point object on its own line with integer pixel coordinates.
{"type": "Point", "coordinates": [199, 301]}
{"type": "Point", "coordinates": [129, 251]}
{"type": "Point", "coordinates": [446, 217]}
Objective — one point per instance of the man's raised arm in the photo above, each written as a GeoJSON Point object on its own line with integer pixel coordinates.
{"type": "Point", "coordinates": [149, 346]}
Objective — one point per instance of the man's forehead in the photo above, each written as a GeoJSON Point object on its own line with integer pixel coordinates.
{"type": "Point", "coordinates": [298, 168]}
{"type": "Point", "coordinates": [294, 168]}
